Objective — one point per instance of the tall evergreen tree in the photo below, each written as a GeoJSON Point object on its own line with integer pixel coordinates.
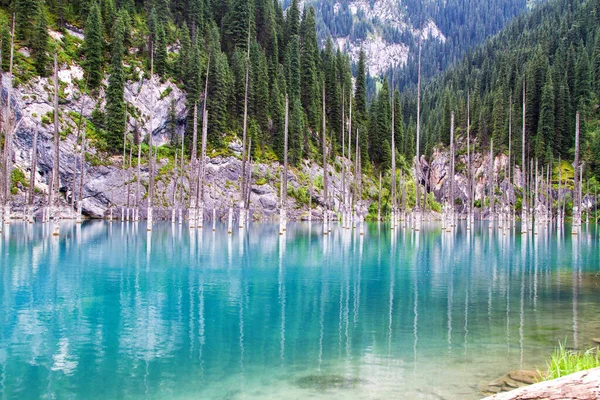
{"type": "Point", "coordinates": [546, 126]}
{"type": "Point", "coordinates": [308, 68]}
{"type": "Point", "coordinates": [115, 103]}
{"type": "Point", "coordinates": [92, 46]}
{"type": "Point", "coordinates": [160, 50]}
{"type": "Point", "coordinates": [39, 41]}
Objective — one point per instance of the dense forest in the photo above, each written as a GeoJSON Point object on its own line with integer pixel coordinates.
{"type": "Point", "coordinates": [182, 41]}
{"type": "Point", "coordinates": [555, 49]}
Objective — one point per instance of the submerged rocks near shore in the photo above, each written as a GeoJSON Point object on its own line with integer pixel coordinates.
{"type": "Point", "coordinates": [512, 380]}
{"type": "Point", "coordinates": [584, 385]}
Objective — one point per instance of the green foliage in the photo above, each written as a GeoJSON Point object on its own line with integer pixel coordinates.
{"type": "Point", "coordinates": [39, 41]}
{"type": "Point", "coordinates": [17, 177]}
{"type": "Point", "coordinates": [92, 46]}
{"type": "Point", "coordinates": [564, 362]}
{"type": "Point", "coordinates": [115, 103]}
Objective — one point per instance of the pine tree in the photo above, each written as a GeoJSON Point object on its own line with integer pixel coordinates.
{"type": "Point", "coordinates": [109, 16]}
{"type": "Point", "coordinates": [160, 51]}
{"type": "Point", "coordinates": [398, 124]}
{"type": "Point", "coordinates": [582, 82]}
{"type": "Point", "coordinates": [115, 103]}
{"type": "Point", "coordinates": [185, 53]}
{"type": "Point", "coordinates": [596, 61]}
{"type": "Point", "coordinates": [92, 46]}
{"type": "Point", "coordinates": [546, 126]}
{"type": "Point", "coordinates": [308, 68]}
{"type": "Point", "coordinates": [360, 104]}
{"type": "Point", "coordinates": [236, 24]}
{"type": "Point", "coordinates": [5, 38]}
{"type": "Point", "coordinates": [219, 88]}
{"type": "Point", "coordinates": [292, 23]}
{"type": "Point", "coordinates": [39, 41]}
{"type": "Point", "coordinates": [292, 64]}
{"type": "Point", "coordinates": [260, 86]}
{"type": "Point", "coordinates": [23, 11]}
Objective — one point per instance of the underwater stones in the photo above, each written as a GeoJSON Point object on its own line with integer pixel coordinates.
{"type": "Point", "coordinates": [596, 340]}
{"type": "Point", "coordinates": [513, 380]}
{"type": "Point", "coordinates": [524, 376]}
{"type": "Point", "coordinates": [326, 382]}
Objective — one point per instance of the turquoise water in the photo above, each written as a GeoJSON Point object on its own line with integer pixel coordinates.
{"type": "Point", "coordinates": [108, 311]}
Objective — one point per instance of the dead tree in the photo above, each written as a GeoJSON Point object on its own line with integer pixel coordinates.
{"type": "Point", "coordinates": [56, 166]}
{"type": "Point", "coordinates": [325, 173]}
{"type": "Point", "coordinates": [283, 210]}
{"type": "Point", "coordinates": [451, 195]}
{"type": "Point", "coordinates": [243, 204]}
{"type": "Point", "coordinates": [417, 158]}
{"type": "Point", "coordinates": [576, 182]}
{"type": "Point", "coordinates": [8, 139]}
{"type": "Point", "coordinates": [524, 202]}
{"type": "Point", "coordinates": [199, 213]}
{"type": "Point", "coordinates": [193, 162]}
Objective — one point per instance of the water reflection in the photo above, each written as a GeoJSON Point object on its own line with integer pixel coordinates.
{"type": "Point", "coordinates": [186, 313]}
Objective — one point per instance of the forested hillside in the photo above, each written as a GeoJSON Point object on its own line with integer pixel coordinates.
{"type": "Point", "coordinates": [555, 49]}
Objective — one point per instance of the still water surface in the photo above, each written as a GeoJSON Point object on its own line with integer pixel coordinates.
{"type": "Point", "coordinates": [108, 311]}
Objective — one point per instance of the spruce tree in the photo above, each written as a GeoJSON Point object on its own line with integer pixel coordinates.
{"type": "Point", "coordinates": [23, 11]}
{"type": "Point", "coordinates": [160, 50]}
{"type": "Point", "coordinates": [92, 46]}
{"type": "Point", "coordinates": [39, 41]}
{"type": "Point", "coordinates": [596, 65]}
{"type": "Point", "coordinates": [546, 126]}
{"type": "Point", "coordinates": [5, 39]}
{"type": "Point", "coordinates": [115, 103]}
{"type": "Point", "coordinates": [185, 53]}
{"type": "Point", "coordinates": [308, 68]}
{"type": "Point", "coordinates": [360, 104]}
{"type": "Point", "coordinates": [292, 23]}
{"type": "Point", "coordinates": [292, 64]}
{"type": "Point", "coordinates": [582, 82]}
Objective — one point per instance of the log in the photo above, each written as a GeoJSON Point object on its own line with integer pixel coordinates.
{"type": "Point", "coordinates": [584, 385]}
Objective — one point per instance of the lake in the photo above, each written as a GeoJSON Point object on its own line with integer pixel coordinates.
{"type": "Point", "coordinates": [109, 311]}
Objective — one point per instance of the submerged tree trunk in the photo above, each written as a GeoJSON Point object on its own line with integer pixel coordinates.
{"type": "Point", "coordinates": [283, 210]}
{"type": "Point", "coordinates": [325, 173]}
{"type": "Point", "coordinates": [576, 182]}
{"type": "Point", "coordinates": [56, 167]}
{"type": "Point", "coordinates": [7, 157]}
{"type": "Point", "coordinates": [524, 202]}
{"type": "Point", "coordinates": [243, 204]}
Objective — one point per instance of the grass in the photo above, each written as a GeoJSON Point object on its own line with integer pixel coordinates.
{"type": "Point", "coordinates": [565, 362]}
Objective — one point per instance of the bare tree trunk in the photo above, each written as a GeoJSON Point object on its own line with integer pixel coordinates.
{"type": "Point", "coordinates": [199, 212]}
{"type": "Point", "coordinates": [283, 216]}
{"type": "Point", "coordinates": [393, 219]}
{"type": "Point", "coordinates": [418, 149]}
{"type": "Point", "coordinates": [56, 167]}
{"type": "Point", "coordinates": [244, 134]}
{"type": "Point", "coordinates": [343, 157]}
{"type": "Point", "coordinates": [8, 134]}
{"type": "Point", "coordinates": [524, 202]}
{"type": "Point", "coordinates": [139, 182]}
{"type": "Point", "coordinates": [379, 202]}
{"type": "Point", "coordinates": [451, 196]}
{"type": "Point", "coordinates": [325, 172]}
{"type": "Point", "coordinates": [192, 179]}
{"type": "Point", "coordinates": [576, 182]}
{"type": "Point", "coordinates": [32, 176]}
{"type": "Point", "coordinates": [151, 153]}
{"type": "Point", "coordinates": [349, 186]}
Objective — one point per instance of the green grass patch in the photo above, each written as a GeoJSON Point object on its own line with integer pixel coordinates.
{"type": "Point", "coordinates": [564, 362]}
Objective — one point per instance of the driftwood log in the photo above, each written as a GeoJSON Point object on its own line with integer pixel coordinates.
{"type": "Point", "coordinates": [583, 385]}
